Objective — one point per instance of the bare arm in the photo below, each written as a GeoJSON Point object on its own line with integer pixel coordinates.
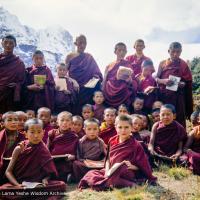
{"type": "Point", "coordinates": [152, 138]}
{"type": "Point", "coordinates": [189, 141]}
{"type": "Point", "coordinates": [178, 152]}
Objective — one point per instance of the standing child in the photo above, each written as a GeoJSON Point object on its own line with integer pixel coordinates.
{"type": "Point", "coordinates": [39, 85]}
{"type": "Point", "coordinates": [107, 129]}
{"type": "Point", "coordinates": [62, 144]}
{"type": "Point", "coordinates": [126, 162]}
{"type": "Point", "coordinates": [32, 162]}
{"type": "Point", "coordinates": [87, 111]}
{"type": "Point", "coordinates": [91, 150]}
{"type": "Point", "coordinates": [98, 106]}
{"type": "Point", "coordinates": [77, 126]}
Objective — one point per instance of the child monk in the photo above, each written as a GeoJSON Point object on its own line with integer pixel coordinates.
{"type": "Point", "coordinates": [87, 111]}
{"type": "Point", "coordinates": [107, 129]}
{"type": "Point", "coordinates": [30, 114]}
{"type": "Point", "coordinates": [182, 98]}
{"type": "Point", "coordinates": [31, 162]}
{"type": "Point", "coordinates": [119, 89]}
{"type": "Point", "coordinates": [98, 106]}
{"type": "Point", "coordinates": [122, 110]}
{"type": "Point", "coordinates": [39, 85]}
{"type": "Point", "coordinates": [22, 117]}
{"type": "Point", "coordinates": [54, 121]}
{"type": "Point", "coordinates": [9, 139]}
{"type": "Point", "coordinates": [90, 148]}
{"type": "Point", "coordinates": [126, 162]}
{"type": "Point", "coordinates": [137, 58]}
{"type": "Point", "coordinates": [66, 97]}
{"type": "Point", "coordinates": [77, 126]}
{"type": "Point", "coordinates": [167, 136]}
{"type": "Point", "coordinates": [138, 105]}
{"type": "Point", "coordinates": [44, 114]}
{"type": "Point", "coordinates": [62, 144]}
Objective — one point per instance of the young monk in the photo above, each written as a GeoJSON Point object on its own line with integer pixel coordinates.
{"type": "Point", "coordinates": [138, 105]}
{"type": "Point", "coordinates": [38, 92]}
{"type": "Point", "coordinates": [32, 162]}
{"type": "Point", "coordinates": [155, 115]}
{"type": "Point", "coordinates": [77, 126]}
{"type": "Point", "coordinates": [126, 162]}
{"type": "Point", "coordinates": [182, 98]}
{"type": "Point", "coordinates": [157, 104]}
{"type": "Point", "coordinates": [107, 129]}
{"type": "Point", "coordinates": [83, 68]}
{"type": "Point", "coordinates": [65, 99]}
{"type": "Point", "coordinates": [54, 121]}
{"type": "Point", "coordinates": [12, 73]}
{"type": "Point", "coordinates": [22, 118]}
{"type": "Point", "coordinates": [147, 85]}
{"type": "Point", "coordinates": [90, 148]}
{"type": "Point", "coordinates": [137, 58]}
{"type": "Point", "coordinates": [167, 136]}
{"type": "Point", "coordinates": [195, 117]}
{"type": "Point", "coordinates": [122, 110]}
{"type": "Point", "coordinates": [9, 139]}
{"type": "Point", "coordinates": [98, 107]}
{"type": "Point", "coordinates": [30, 114]}
{"type": "Point", "coordinates": [44, 114]}
{"type": "Point", "coordinates": [87, 111]}
{"type": "Point", "coordinates": [119, 90]}
{"type": "Point", "coordinates": [63, 142]}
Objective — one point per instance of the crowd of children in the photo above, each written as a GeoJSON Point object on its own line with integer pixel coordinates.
{"type": "Point", "coordinates": [100, 132]}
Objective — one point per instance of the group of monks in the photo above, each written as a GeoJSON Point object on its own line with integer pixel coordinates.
{"type": "Point", "coordinates": [98, 131]}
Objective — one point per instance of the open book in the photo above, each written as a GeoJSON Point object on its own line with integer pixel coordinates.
{"type": "Point", "coordinates": [175, 80]}
{"type": "Point", "coordinates": [113, 168]}
{"type": "Point", "coordinates": [30, 185]}
{"type": "Point", "coordinates": [61, 83]}
{"type": "Point", "coordinates": [40, 79]}
{"type": "Point", "coordinates": [124, 73]}
{"type": "Point", "coordinates": [91, 83]}
{"type": "Point", "coordinates": [93, 164]}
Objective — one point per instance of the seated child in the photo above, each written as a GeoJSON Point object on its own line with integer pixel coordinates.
{"type": "Point", "coordinates": [77, 126]}
{"type": "Point", "coordinates": [107, 129]}
{"type": "Point", "coordinates": [126, 163]}
{"type": "Point", "coordinates": [30, 114]}
{"type": "Point", "coordinates": [90, 148]}
{"type": "Point", "coordinates": [155, 115]}
{"type": "Point", "coordinates": [144, 132]}
{"type": "Point", "coordinates": [22, 117]}
{"type": "Point", "coordinates": [167, 136]}
{"type": "Point", "coordinates": [44, 114]}
{"type": "Point", "coordinates": [62, 144]}
{"type": "Point", "coordinates": [53, 121]}
{"type": "Point", "coordinates": [87, 111]}
{"type": "Point", "coordinates": [122, 110]}
{"type": "Point", "coordinates": [32, 162]}
{"type": "Point", "coordinates": [98, 106]}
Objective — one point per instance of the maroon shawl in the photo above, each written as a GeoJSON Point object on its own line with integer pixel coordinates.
{"type": "Point", "coordinates": [118, 92]}
{"type": "Point", "coordinates": [168, 137]}
{"type": "Point", "coordinates": [106, 134]}
{"type": "Point", "coordinates": [12, 70]}
{"type": "Point", "coordinates": [99, 112]}
{"type": "Point", "coordinates": [43, 98]}
{"type": "Point", "coordinates": [47, 128]}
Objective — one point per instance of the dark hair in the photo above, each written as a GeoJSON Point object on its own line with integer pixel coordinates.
{"type": "Point", "coordinates": [139, 96]}
{"type": "Point", "coordinates": [147, 63]}
{"type": "Point", "coordinates": [110, 109]}
{"type": "Point", "coordinates": [91, 120]}
{"type": "Point", "coordinates": [133, 116]}
{"type": "Point", "coordinates": [44, 109]}
{"type": "Point", "coordinates": [139, 40]}
{"type": "Point", "coordinates": [97, 92]}
{"type": "Point", "coordinates": [5, 115]}
{"type": "Point", "coordinates": [32, 122]}
{"type": "Point", "coordinates": [65, 113]}
{"type": "Point", "coordinates": [119, 44]}
{"type": "Point", "coordinates": [38, 52]}
{"type": "Point", "coordinates": [81, 36]}
{"type": "Point", "coordinates": [78, 118]}
{"type": "Point", "coordinates": [155, 110]}
{"type": "Point", "coordinates": [170, 107]}
{"type": "Point", "coordinates": [123, 106]}
{"type": "Point", "coordinates": [125, 118]}
{"type": "Point", "coordinates": [10, 37]}
{"type": "Point", "coordinates": [88, 106]}
{"type": "Point", "coordinates": [175, 45]}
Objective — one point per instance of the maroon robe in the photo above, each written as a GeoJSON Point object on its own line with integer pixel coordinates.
{"type": "Point", "coordinates": [65, 101]}
{"type": "Point", "coordinates": [136, 63]}
{"type": "Point", "coordinates": [82, 68]}
{"type": "Point", "coordinates": [60, 144]}
{"type": "Point", "coordinates": [29, 168]}
{"type": "Point", "coordinates": [43, 98]}
{"type": "Point", "coordinates": [117, 92]}
{"type": "Point", "coordinates": [181, 99]}
{"type": "Point", "coordinates": [107, 133]}
{"type": "Point", "coordinates": [12, 70]}
{"type": "Point", "coordinates": [80, 134]}
{"type": "Point", "coordinates": [168, 137]}
{"type": "Point", "coordinates": [99, 112]}
{"type": "Point", "coordinates": [47, 128]}
{"type": "Point", "coordinates": [87, 149]}
{"type": "Point", "coordinates": [130, 150]}
{"type": "Point", "coordinates": [7, 153]}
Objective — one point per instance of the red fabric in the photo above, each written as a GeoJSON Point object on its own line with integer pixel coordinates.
{"type": "Point", "coordinates": [99, 112]}
{"type": "Point", "coordinates": [47, 128]}
{"type": "Point", "coordinates": [106, 134]}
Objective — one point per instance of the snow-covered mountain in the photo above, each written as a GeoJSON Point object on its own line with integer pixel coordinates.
{"type": "Point", "coordinates": [55, 42]}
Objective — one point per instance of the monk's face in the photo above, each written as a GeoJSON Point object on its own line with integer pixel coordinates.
{"type": "Point", "coordinates": [174, 53]}
{"type": "Point", "coordinates": [139, 46]}
{"type": "Point", "coordinates": [109, 117]}
{"type": "Point", "coordinates": [144, 122]}
{"type": "Point", "coordinates": [157, 104]}
{"type": "Point", "coordinates": [64, 122]}
{"type": "Point", "coordinates": [87, 113]}
{"type": "Point", "coordinates": [45, 116]}
{"type": "Point", "coordinates": [98, 98]}
{"type": "Point", "coordinates": [8, 45]}
{"type": "Point", "coordinates": [35, 133]}
{"type": "Point", "coordinates": [137, 125]}
{"type": "Point", "coordinates": [77, 125]}
{"type": "Point", "coordinates": [155, 117]}
{"type": "Point", "coordinates": [22, 119]}
{"type": "Point", "coordinates": [30, 114]}
{"type": "Point", "coordinates": [91, 130]}
{"type": "Point", "coordinates": [123, 129]}
{"type": "Point", "coordinates": [80, 44]}
{"type": "Point", "coordinates": [38, 60]}
{"type": "Point", "coordinates": [147, 71]}
{"type": "Point", "coordinates": [122, 111]}
{"type": "Point", "coordinates": [120, 51]}
{"type": "Point", "coordinates": [61, 71]}
{"type": "Point", "coordinates": [11, 122]}
{"type": "Point", "coordinates": [138, 104]}
{"type": "Point", "coordinates": [53, 121]}
{"type": "Point", "coordinates": [166, 116]}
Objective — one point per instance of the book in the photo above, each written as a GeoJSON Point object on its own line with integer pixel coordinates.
{"type": "Point", "coordinates": [94, 164]}
{"type": "Point", "coordinates": [91, 83]}
{"type": "Point", "coordinates": [113, 169]}
{"type": "Point", "coordinates": [176, 80]}
{"type": "Point", "coordinates": [58, 157]}
{"type": "Point", "coordinates": [124, 73]}
{"type": "Point", "coordinates": [61, 84]}
{"type": "Point", "coordinates": [30, 185]}
{"type": "Point", "coordinates": [40, 79]}
{"type": "Point", "coordinates": [7, 158]}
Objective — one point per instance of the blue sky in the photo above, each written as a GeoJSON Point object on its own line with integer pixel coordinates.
{"type": "Point", "coordinates": [106, 22]}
